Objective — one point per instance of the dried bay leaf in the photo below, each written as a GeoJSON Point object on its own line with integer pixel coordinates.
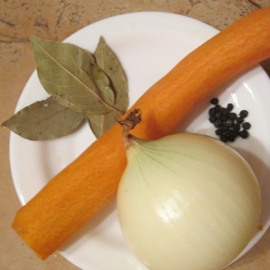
{"type": "Point", "coordinates": [80, 89]}
{"type": "Point", "coordinates": [44, 120]}
{"type": "Point", "coordinates": [108, 62]}
{"type": "Point", "coordinates": [100, 123]}
{"type": "Point", "coordinates": [64, 71]}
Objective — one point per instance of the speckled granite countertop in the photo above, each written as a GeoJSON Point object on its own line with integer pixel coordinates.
{"type": "Point", "coordinates": [56, 20]}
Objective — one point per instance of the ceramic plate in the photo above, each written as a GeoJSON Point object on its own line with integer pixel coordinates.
{"type": "Point", "coordinates": [148, 44]}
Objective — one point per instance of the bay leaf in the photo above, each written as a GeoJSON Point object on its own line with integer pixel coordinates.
{"type": "Point", "coordinates": [100, 123]}
{"type": "Point", "coordinates": [44, 120]}
{"type": "Point", "coordinates": [109, 63]}
{"type": "Point", "coordinates": [64, 71]}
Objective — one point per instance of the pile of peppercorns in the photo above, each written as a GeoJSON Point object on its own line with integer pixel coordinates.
{"type": "Point", "coordinates": [228, 124]}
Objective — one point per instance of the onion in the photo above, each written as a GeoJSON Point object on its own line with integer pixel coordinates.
{"type": "Point", "coordinates": [186, 202]}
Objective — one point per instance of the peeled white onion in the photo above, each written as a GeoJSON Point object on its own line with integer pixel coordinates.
{"type": "Point", "coordinates": [187, 202]}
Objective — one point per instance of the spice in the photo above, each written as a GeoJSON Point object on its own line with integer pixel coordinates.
{"type": "Point", "coordinates": [228, 124]}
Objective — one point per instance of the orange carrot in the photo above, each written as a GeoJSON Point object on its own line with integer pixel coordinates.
{"type": "Point", "coordinates": [81, 190]}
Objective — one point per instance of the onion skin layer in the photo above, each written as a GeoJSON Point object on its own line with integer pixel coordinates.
{"type": "Point", "coordinates": [187, 201]}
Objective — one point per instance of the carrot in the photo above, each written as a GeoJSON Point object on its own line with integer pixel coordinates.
{"type": "Point", "coordinates": [74, 196]}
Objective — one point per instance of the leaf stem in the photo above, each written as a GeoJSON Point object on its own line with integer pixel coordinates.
{"type": "Point", "coordinates": [128, 124]}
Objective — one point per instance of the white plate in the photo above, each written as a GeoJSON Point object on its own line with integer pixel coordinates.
{"type": "Point", "coordinates": [148, 45]}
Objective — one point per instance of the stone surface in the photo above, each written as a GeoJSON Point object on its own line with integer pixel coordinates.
{"type": "Point", "coordinates": [56, 20]}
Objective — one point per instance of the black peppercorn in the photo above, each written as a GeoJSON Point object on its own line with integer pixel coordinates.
{"type": "Point", "coordinates": [212, 119]}
{"type": "Point", "coordinates": [243, 113]}
{"type": "Point", "coordinates": [212, 111]}
{"type": "Point", "coordinates": [223, 138]}
{"type": "Point", "coordinates": [214, 101]}
{"type": "Point", "coordinates": [231, 138]}
{"type": "Point", "coordinates": [218, 123]}
{"type": "Point", "coordinates": [230, 107]}
{"type": "Point", "coordinates": [243, 134]}
{"type": "Point", "coordinates": [239, 120]}
{"type": "Point", "coordinates": [224, 111]}
{"type": "Point", "coordinates": [246, 125]}
{"type": "Point", "coordinates": [232, 116]}
{"type": "Point", "coordinates": [236, 127]}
